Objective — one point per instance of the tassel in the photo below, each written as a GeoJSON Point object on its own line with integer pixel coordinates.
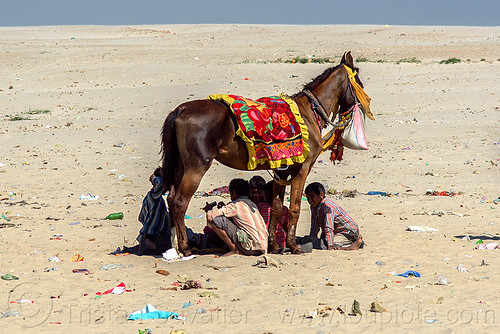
{"type": "Point", "coordinates": [337, 148]}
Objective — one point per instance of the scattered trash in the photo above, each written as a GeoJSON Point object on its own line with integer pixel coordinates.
{"type": "Point", "coordinates": [163, 272]}
{"type": "Point", "coordinates": [421, 228]}
{"type": "Point", "coordinates": [120, 144]}
{"type": "Point", "coordinates": [380, 263]}
{"type": "Point", "coordinates": [442, 280]}
{"type": "Point", "coordinates": [22, 301]}
{"type": "Point", "coordinates": [111, 266]}
{"type": "Point", "coordinates": [462, 269]}
{"type": "Point", "coordinates": [114, 216]}
{"type": "Point", "coordinates": [355, 310]}
{"type": "Point", "coordinates": [171, 255]}
{"type": "Point", "coordinates": [488, 246]}
{"type": "Point", "coordinates": [89, 197]}
{"type": "Point", "coordinates": [47, 269]}
{"type": "Point", "coordinates": [410, 273]}
{"type": "Point", "coordinates": [220, 191]}
{"type": "Point", "coordinates": [9, 314]}
{"type": "Point", "coordinates": [377, 308]}
{"type": "Point", "coordinates": [191, 284]}
{"type": "Point", "coordinates": [81, 271]}
{"type": "Point", "coordinates": [381, 193]}
{"type": "Point", "coordinates": [266, 262]}
{"type": "Point", "coordinates": [430, 321]}
{"type": "Point", "coordinates": [77, 258]}
{"type": "Point", "coordinates": [439, 213]}
{"type": "Point", "coordinates": [187, 304]}
{"type": "Point", "coordinates": [150, 312]}
{"type": "Point", "coordinates": [117, 290]}
{"type": "Point", "coordinates": [75, 223]}
{"type": "Point", "coordinates": [185, 282]}
{"type": "Point", "coordinates": [431, 192]}
{"type": "Point", "coordinates": [200, 311]}
{"type": "Point", "coordinates": [118, 251]}
{"type": "Point", "coordinates": [3, 217]}
{"type": "Point", "coordinates": [146, 331]}
{"type": "Point", "coordinates": [312, 315]}
{"type": "Point", "coordinates": [54, 259]}
{"type": "Point", "coordinates": [9, 277]}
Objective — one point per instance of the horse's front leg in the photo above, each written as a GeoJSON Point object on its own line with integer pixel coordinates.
{"type": "Point", "coordinates": [295, 202]}
{"type": "Point", "coordinates": [276, 214]}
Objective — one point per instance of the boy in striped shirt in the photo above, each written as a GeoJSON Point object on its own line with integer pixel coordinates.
{"type": "Point", "coordinates": [239, 223]}
{"type": "Point", "coordinates": [331, 220]}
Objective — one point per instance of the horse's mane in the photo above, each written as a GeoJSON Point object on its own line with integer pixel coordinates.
{"type": "Point", "coordinates": [318, 80]}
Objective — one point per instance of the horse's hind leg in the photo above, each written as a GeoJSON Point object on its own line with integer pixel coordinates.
{"type": "Point", "coordinates": [178, 201]}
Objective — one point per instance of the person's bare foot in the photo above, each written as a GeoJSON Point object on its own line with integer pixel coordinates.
{"type": "Point", "coordinates": [358, 244]}
{"type": "Point", "coordinates": [232, 252]}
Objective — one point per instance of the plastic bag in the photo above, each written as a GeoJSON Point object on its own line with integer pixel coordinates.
{"type": "Point", "coordinates": [353, 136]}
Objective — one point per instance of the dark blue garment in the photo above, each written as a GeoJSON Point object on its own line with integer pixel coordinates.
{"type": "Point", "coordinates": [154, 215]}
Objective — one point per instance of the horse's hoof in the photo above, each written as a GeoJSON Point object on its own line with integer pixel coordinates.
{"type": "Point", "coordinates": [296, 250]}
{"type": "Point", "coordinates": [186, 252]}
{"type": "Point", "coordinates": [273, 249]}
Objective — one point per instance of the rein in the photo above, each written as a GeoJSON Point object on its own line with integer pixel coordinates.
{"type": "Point", "coordinates": [320, 111]}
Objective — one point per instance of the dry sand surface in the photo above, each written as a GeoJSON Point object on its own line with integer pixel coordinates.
{"type": "Point", "coordinates": [107, 91]}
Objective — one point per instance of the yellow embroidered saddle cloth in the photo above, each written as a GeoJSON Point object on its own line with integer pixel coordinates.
{"type": "Point", "coordinates": [271, 127]}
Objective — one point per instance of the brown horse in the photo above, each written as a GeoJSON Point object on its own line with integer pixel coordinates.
{"type": "Point", "coordinates": [198, 132]}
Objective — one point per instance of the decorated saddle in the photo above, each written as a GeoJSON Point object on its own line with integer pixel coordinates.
{"type": "Point", "coordinates": [271, 127]}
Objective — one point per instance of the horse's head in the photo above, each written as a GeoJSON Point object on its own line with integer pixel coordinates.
{"type": "Point", "coordinates": [354, 91]}
{"type": "Point", "coordinates": [336, 91]}
{"type": "Point", "coordinates": [348, 99]}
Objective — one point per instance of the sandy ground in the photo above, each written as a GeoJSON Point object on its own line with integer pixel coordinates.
{"type": "Point", "coordinates": [107, 91]}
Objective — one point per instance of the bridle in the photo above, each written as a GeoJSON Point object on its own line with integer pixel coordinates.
{"type": "Point", "coordinates": [321, 113]}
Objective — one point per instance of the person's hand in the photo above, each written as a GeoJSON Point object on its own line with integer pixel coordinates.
{"type": "Point", "coordinates": [209, 206]}
{"type": "Point", "coordinates": [331, 247]}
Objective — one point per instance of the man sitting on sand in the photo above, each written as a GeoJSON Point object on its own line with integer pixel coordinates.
{"type": "Point", "coordinates": [332, 221]}
{"type": "Point", "coordinates": [239, 223]}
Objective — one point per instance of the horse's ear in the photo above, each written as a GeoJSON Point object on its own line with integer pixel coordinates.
{"type": "Point", "coordinates": [343, 58]}
{"type": "Point", "coordinates": [349, 61]}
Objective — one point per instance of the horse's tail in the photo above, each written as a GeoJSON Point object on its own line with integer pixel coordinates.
{"type": "Point", "coordinates": [169, 149]}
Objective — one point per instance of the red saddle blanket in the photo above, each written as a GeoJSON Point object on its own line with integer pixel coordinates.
{"type": "Point", "coordinates": [272, 128]}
